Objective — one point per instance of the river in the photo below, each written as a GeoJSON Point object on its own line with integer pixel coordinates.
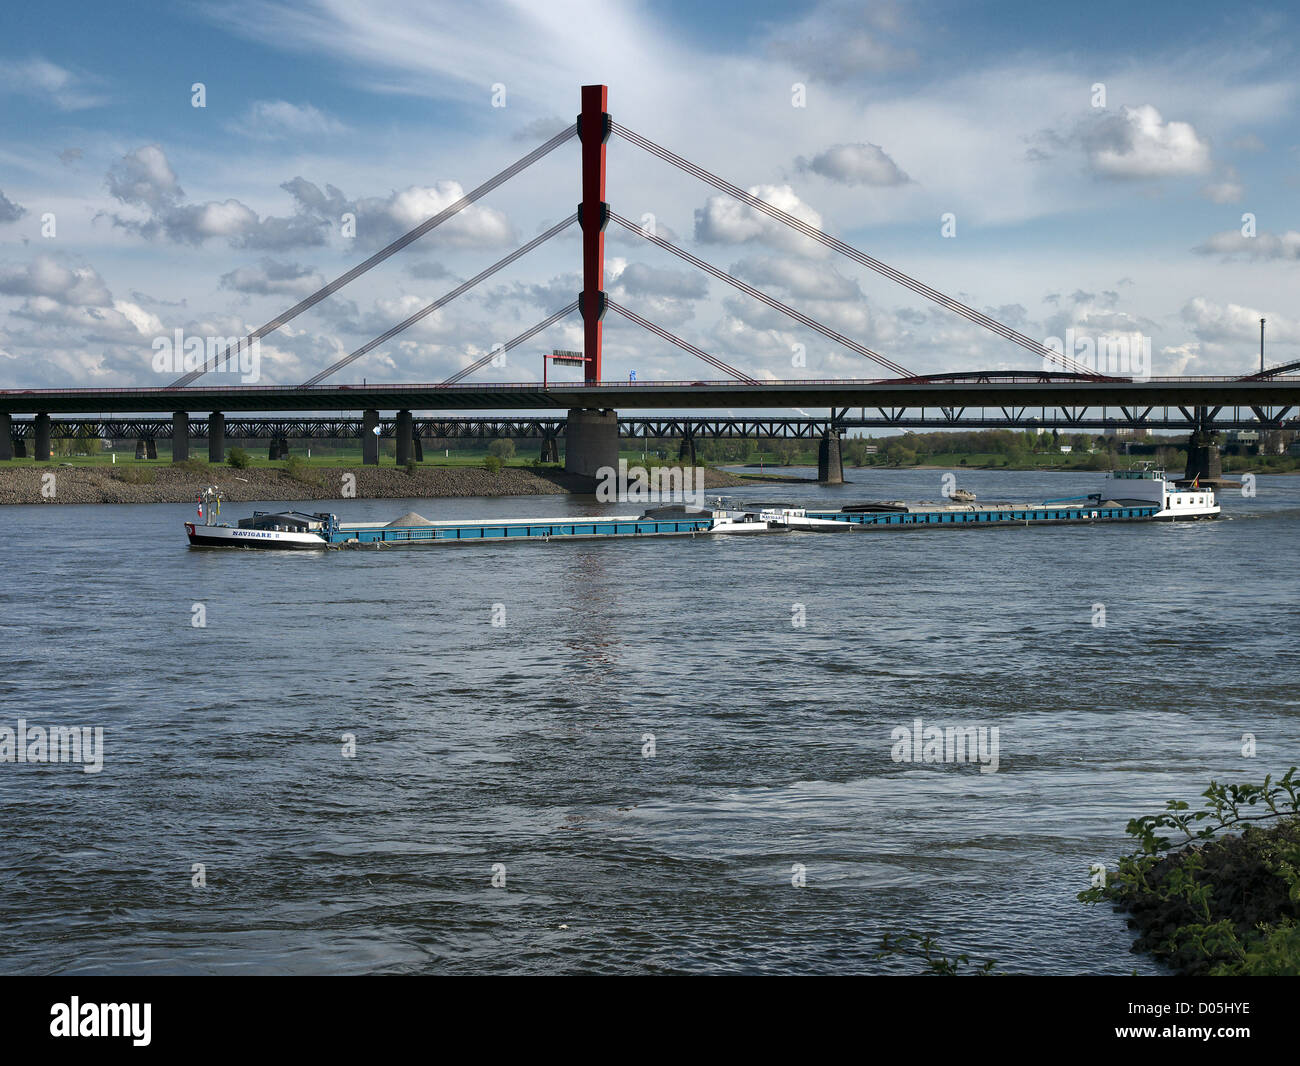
{"type": "Point", "coordinates": [646, 748]}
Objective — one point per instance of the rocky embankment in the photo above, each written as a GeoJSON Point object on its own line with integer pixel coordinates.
{"type": "Point", "coordinates": [126, 483]}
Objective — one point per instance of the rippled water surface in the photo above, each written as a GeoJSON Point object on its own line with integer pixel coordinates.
{"type": "Point", "coordinates": [522, 744]}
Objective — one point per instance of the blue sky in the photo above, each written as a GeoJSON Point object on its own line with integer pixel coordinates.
{"type": "Point", "coordinates": [1115, 219]}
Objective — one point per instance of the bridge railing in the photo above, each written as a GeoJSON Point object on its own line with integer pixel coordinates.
{"type": "Point", "coordinates": [253, 390]}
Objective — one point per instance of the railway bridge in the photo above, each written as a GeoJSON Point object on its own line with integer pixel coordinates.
{"type": "Point", "coordinates": [1061, 393]}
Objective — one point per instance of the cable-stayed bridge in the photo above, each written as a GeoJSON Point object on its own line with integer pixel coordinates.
{"type": "Point", "coordinates": [1063, 391]}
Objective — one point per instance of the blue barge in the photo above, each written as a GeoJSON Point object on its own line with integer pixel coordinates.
{"type": "Point", "coordinates": [1137, 496]}
{"type": "Point", "coordinates": [995, 514]}
{"type": "Point", "coordinates": [519, 529]}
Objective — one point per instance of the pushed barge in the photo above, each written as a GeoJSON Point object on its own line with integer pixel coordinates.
{"type": "Point", "coordinates": [1143, 495]}
{"type": "Point", "coordinates": [1134, 496]}
{"type": "Point", "coordinates": [298, 530]}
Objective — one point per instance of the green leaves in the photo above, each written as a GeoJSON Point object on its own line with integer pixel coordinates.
{"type": "Point", "coordinates": [1212, 901]}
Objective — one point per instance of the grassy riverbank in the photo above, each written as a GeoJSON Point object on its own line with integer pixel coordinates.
{"type": "Point", "coordinates": [164, 482]}
{"type": "Point", "coordinates": [1206, 899]}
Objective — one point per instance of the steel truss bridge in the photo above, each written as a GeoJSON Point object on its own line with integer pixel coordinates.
{"type": "Point", "coordinates": [671, 427]}
{"type": "Point", "coordinates": [1064, 393]}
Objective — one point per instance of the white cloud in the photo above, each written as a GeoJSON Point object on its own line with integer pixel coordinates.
{"type": "Point", "coordinates": [45, 80]}
{"type": "Point", "coordinates": [1227, 191]}
{"type": "Point", "coordinates": [637, 279]}
{"type": "Point", "coordinates": [9, 210]}
{"type": "Point", "coordinates": [1139, 143]}
{"type": "Point", "coordinates": [476, 225]}
{"type": "Point", "coordinates": [144, 178]}
{"type": "Point", "coordinates": [48, 278]}
{"type": "Point", "coordinates": [273, 278]}
{"type": "Point", "coordinates": [1233, 323]}
{"type": "Point", "coordinates": [277, 119]}
{"type": "Point", "coordinates": [817, 281]}
{"type": "Point", "coordinates": [1262, 246]}
{"type": "Point", "coordinates": [842, 41]}
{"type": "Point", "coordinates": [855, 164]}
{"type": "Point", "coordinates": [725, 220]}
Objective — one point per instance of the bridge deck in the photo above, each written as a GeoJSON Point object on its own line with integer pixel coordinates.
{"type": "Point", "coordinates": [1028, 390]}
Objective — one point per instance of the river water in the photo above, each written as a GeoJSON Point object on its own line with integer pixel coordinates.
{"type": "Point", "coordinates": [520, 750]}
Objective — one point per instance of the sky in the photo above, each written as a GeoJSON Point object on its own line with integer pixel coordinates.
{"type": "Point", "coordinates": [1108, 169]}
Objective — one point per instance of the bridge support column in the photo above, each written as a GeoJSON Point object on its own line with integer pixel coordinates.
{"type": "Point", "coordinates": [20, 448]}
{"type": "Point", "coordinates": [686, 451]}
{"type": "Point", "coordinates": [139, 448]}
{"type": "Point", "coordinates": [418, 447]}
{"type": "Point", "coordinates": [369, 439]}
{"type": "Point", "coordinates": [405, 431]}
{"type": "Point", "coordinates": [180, 436]}
{"type": "Point", "coordinates": [591, 442]}
{"type": "Point", "coordinates": [6, 435]}
{"type": "Point", "coordinates": [830, 470]}
{"type": "Point", "coordinates": [550, 450]}
{"type": "Point", "coordinates": [150, 448]}
{"type": "Point", "coordinates": [279, 449]}
{"type": "Point", "coordinates": [216, 437]}
{"type": "Point", "coordinates": [1203, 459]}
{"type": "Point", "coordinates": [42, 428]}
{"type": "Point", "coordinates": [593, 215]}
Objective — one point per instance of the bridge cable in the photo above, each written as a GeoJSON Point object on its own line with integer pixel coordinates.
{"type": "Point", "coordinates": [526, 335]}
{"type": "Point", "coordinates": [442, 301]}
{"type": "Point", "coordinates": [848, 250]}
{"type": "Point", "coordinates": [798, 316]}
{"type": "Point", "coordinates": [1272, 372]}
{"type": "Point", "coordinates": [397, 245]}
{"type": "Point", "coordinates": [686, 346]}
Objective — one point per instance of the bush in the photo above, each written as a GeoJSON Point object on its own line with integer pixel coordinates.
{"type": "Point", "coordinates": [296, 467]}
{"type": "Point", "coordinates": [492, 464]}
{"type": "Point", "coordinates": [192, 465]}
{"type": "Point", "coordinates": [238, 458]}
{"type": "Point", "coordinates": [1208, 899]}
{"type": "Point", "coordinates": [411, 467]}
{"type": "Point", "coordinates": [502, 449]}
{"type": "Point", "coordinates": [136, 475]}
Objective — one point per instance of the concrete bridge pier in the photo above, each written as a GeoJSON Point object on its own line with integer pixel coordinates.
{"type": "Point", "coordinates": [405, 434]}
{"type": "Point", "coordinates": [550, 450]}
{"type": "Point", "coordinates": [150, 448]}
{"type": "Point", "coordinates": [591, 442]}
{"type": "Point", "coordinates": [180, 436]}
{"type": "Point", "coordinates": [686, 451]}
{"type": "Point", "coordinates": [6, 435]}
{"type": "Point", "coordinates": [1203, 458]}
{"type": "Point", "coordinates": [216, 437]}
{"type": "Point", "coordinates": [369, 440]}
{"type": "Point", "coordinates": [830, 469]}
{"type": "Point", "coordinates": [42, 428]}
{"type": "Point", "coordinates": [279, 449]}
{"type": "Point", "coordinates": [418, 447]}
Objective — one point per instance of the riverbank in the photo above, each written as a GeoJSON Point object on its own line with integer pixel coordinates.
{"type": "Point", "coordinates": [1219, 896]}
{"type": "Point", "coordinates": [166, 484]}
